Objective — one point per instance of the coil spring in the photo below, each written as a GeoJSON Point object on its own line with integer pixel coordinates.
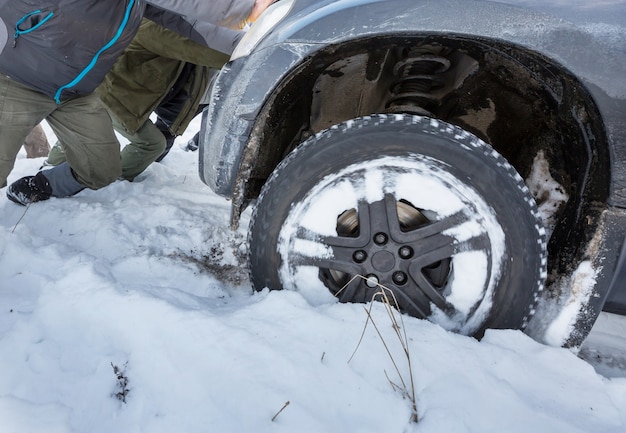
{"type": "Point", "coordinates": [418, 76]}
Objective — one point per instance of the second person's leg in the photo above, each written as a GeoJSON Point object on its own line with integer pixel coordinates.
{"type": "Point", "coordinates": [144, 147]}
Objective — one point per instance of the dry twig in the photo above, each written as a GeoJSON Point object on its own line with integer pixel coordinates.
{"type": "Point", "coordinates": [281, 409]}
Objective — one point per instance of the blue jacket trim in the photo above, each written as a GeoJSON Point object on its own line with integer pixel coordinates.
{"type": "Point", "coordinates": [19, 31]}
{"type": "Point", "coordinates": [94, 60]}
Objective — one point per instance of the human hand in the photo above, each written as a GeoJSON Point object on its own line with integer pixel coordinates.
{"type": "Point", "coordinates": [258, 9]}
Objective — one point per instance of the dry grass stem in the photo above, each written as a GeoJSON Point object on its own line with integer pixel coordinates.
{"type": "Point", "coordinates": [21, 218]}
{"type": "Point", "coordinates": [388, 299]}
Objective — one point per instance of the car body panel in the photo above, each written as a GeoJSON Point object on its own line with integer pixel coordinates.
{"type": "Point", "coordinates": [244, 84]}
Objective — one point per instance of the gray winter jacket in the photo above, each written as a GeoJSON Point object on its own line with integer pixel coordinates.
{"type": "Point", "coordinates": [64, 48]}
{"type": "Point", "coordinates": [61, 48]}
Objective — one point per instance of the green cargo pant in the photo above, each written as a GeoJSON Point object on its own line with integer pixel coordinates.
{"type": "Point", "coordinates": [81, 123]}
{"type": "Point", "coordinates": [144, 147]}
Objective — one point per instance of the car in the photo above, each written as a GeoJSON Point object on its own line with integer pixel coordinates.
{"type": "Point", "coordinates": [464, 160]}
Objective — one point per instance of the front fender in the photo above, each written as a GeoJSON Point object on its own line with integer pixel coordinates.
{"type": "Point", "coordinates": [245, 84]}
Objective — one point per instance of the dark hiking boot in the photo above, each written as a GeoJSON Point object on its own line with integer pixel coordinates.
{"type": "Point", "coordinates": [191, 145]}
{"type": "Point", "coordinates": [169, 142]}
{"type": "Point", "coordinates": [29, 189]}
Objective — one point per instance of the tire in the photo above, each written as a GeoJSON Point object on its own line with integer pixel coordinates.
{"type": "Point", "coordinates": [412, 204]}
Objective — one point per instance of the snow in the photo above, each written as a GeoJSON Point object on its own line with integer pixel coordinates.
{"type": "Point", "coordinates": [144, 282]}
{"type": "Point", "coordinates": [582, 282]}
{"type": "Point", "coordinates": [555, 318]}
{"type": "Point", "coordinates": [548, 193]}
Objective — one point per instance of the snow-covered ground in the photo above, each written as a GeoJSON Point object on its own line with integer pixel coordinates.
{"type": "Point", "coordinates": [128, 309]}
{"type": "Point", "coordinates": [605, 347]}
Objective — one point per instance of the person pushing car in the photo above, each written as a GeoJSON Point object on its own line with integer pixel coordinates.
{"type": "Point", "coordinates": [53, 54]}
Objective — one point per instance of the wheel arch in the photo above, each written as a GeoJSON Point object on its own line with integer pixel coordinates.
{"type": "Point", "coordinates": [330, 86]}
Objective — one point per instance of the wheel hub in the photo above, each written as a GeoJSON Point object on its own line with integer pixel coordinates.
{"type": "Point", "coordinates": [384, 255]}
{"type": "Point", "coordinates": [383, 261]}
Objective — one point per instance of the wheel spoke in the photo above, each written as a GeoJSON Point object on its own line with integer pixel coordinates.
{"type": "Point", "coordinates": [429, 230]}
{"type": "Point", "coordinates": [415, 303]}
{"type": "Point", "coordinates": [350, 291]}
{"type": "Point", "coordinates": [340, 252]}
{"type": "Point", "coordinates": [429, 291]}
{"type": "Point", "coordinates": [442, 252]}
{"type": "Point", "coordinates": [351, 242]}
{"type": "Point", "coordinates": [334, 263]}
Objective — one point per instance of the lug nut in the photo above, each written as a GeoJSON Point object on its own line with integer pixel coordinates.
{"type": "Point", "coordinates": [359, 256]}
{"type": "Point", "coordinates": [399, 277]}
{"type": "Point", "coordinates": [406, 252]}
{"type": "Point", "coordinates": [380, 238]}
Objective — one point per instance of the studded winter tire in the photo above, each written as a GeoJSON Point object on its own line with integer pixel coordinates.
{"type": "Point", "coordinates": [408, 205]}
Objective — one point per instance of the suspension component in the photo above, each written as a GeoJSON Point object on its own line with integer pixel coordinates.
{"type": "Point", "coordinates": [418, 76]}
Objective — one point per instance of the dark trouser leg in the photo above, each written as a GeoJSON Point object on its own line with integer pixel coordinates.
{"type": "Point", "coordinates": [145, 145]}
{"type": "Point", "coordinates": [84, 127]}
{"type": "Point", "coordinates": [21, 109]}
